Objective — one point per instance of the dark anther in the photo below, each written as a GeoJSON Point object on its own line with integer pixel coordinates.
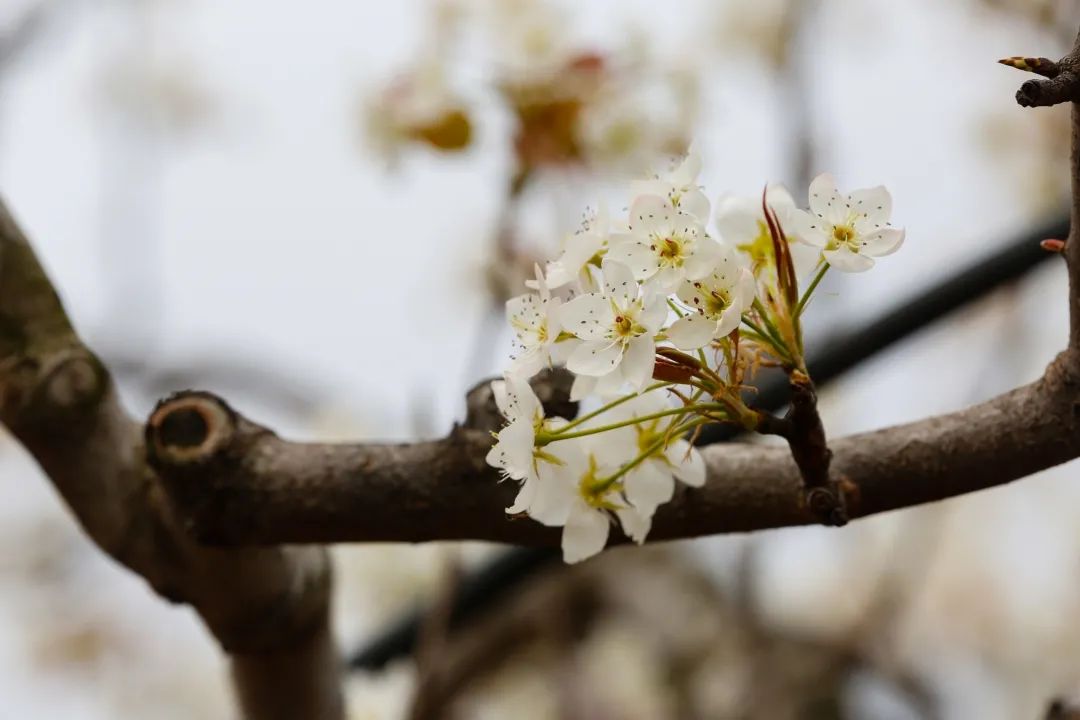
{"type": "Point", "coordinates": [185, 427]}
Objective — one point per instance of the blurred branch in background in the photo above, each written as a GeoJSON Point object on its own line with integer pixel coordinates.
{"type": "Point", "coordinates": [712, 658]}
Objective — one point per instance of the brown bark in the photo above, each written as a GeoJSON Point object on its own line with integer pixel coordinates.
{"type": "Point", "coordinates": [268, 607]}
{"type": "Point", "coordinates": [266, 490]}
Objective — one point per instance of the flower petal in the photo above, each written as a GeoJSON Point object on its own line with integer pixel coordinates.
{"type": "Point", "coordinates": [648, 486]}
{"type": "Point", "coordinates": [649, 214]}
{"type": "Point", "coordinates": [634, 524]}
{"type": "Point", "coordinates": [635, 255]}
{"type": "Point", "coordinates": [779, 199]}
{"type": "Point", "coordinates": [728, 321]}
{"type": "Point", "coordinates": [688, 170]}
{"type": "Point", "coordinates": [707, 253]}
{"type": "Point", "coordinates": [525, 497]}
{"type": "Point", "coordinates": [845, 260]}
{"type": "Point", "coordinates": [530, 361]}
{"type": "Point", "coordinates": [611, 385]}
{"type": "Point", "coordinates": [826, 202]}
{"type": "Point", "coordinates": [520, 401]}
{"type": "Point", "coordinates": [585, 534]}
{"type": "Point", "coordinates": [654, 313]}
{"type": "Point", "coordinates": [513, 451]}
{"type": "Point", "coordinates": [872, 207]}
{"type": "Point", "coordinates": [745, 290]}
{"type": "Point", "coordinates": [583, 386]}
{"type": "Point", "coordinates": [638, 361]}
{"type": "Point", "coordinates": [587, 316]}
{"type": "Point", "coordinates": [556, 485]}
{"type": "Point", "coordinates": [808, 228]}
{"type": "Point", "coordinates": [498, 390]}
{"type": "Point", "coordinates": [689, 468]}
{"type": "Point", "coordinates": [619, 282]}
{"type": "Point", "coordinates": [693, 202]}
{"type": "Point", "coordinates": [726, 266]}
{"type": "Point", "coordinates": [691, 331]}
{"type": "Point", "coordinates": [737, 219]}
{"type": "Point", "coordinates": [595, 358]}
{"type": "Point", "coordinates": [883, 242]}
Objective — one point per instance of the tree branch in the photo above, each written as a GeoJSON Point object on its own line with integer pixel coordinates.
{"type": "Point", "coordinates": [257, 488]}
{"type": "Point", "coordinates": [268, 607]}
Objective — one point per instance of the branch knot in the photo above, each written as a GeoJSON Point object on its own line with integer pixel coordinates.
{"type": "Point", "coordinates": [189, 428]}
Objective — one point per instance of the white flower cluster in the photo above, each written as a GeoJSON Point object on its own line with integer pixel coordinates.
{"type": "Point", "coordinates": [662, 321]}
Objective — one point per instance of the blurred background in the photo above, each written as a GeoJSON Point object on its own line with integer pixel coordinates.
{"type": "Point", "coordinates": [318, 210]}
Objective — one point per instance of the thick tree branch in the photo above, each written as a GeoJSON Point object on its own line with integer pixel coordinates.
{"type": "Point", "coordinates": [259, 489]}
{"type": "Point", "coordinates": [268, 607]}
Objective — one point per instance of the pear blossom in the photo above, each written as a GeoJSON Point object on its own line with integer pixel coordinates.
{"type": "Point", "coordinates": [623, 461]}
{"type": "Point", "coordinates": [851, 229]}
{"type": "Point", "coordinates": [617, 326]}
{"type": "Point", "coordinates": [664, 246]}
{"type": "Point", "coordinates": [652, 482]}
{"type": "Point", "coordinates": [534, 320]}
{"type": "Point", "coordinates": [515, 452]}
{"type": "Point", "coordinates": [680, 188]}
{"type": "Point", "coordinates": [583, 249]}
{"type": "Point", "coordinates": [513, 449]}
{"type": "Point", "coordinates": [717, 303]}
{"type": "Point", "coordinates": [741, 222]}
{"type": "Point", "coordinates": [573, 494]}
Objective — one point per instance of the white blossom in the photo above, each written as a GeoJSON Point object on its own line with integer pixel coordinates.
{"type": "Point", "coordinates": [572, 494]}
{"type": "Point", "coordinates": [664, 246]}
{"type": "Point", "coordinates": [534, 319]}
{"type": "Point", "coordinates": [515, 452]}
{"type": "Point", "coordinates": [652, 482]}
{"type": "Point", "coordinates": [741, 222]}
{"type": "Point", "coordinates": [513, 449]}
{"type": "Point", "coordinates": [623, 462]}
{"type": "Point", "coordinates": [851, 229]}
{"type": "Point", "coordinates": [717, 303]}
{"type": "Point", "coordinates": [680, 188]}
{"type": "Point", "coordinates": [582, 249]}
{"type": "Point", "coordinates": [618, 327]}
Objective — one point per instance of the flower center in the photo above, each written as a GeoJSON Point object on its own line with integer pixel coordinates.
{"type": "Point", "coordinates": [648, 436]}
{"type": "Point", "coordinates": [842, 235]}
{"type": "Point", "coordinates": [716, 302]}
{"type": "Point", "coordinates": [670, 251]}
{"type": "Point", "coordinates": [593, 489]}
{"type": "Point", "coordinates": [760, 248]}
{"type": "Point", "coordinates": [626, 328]}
